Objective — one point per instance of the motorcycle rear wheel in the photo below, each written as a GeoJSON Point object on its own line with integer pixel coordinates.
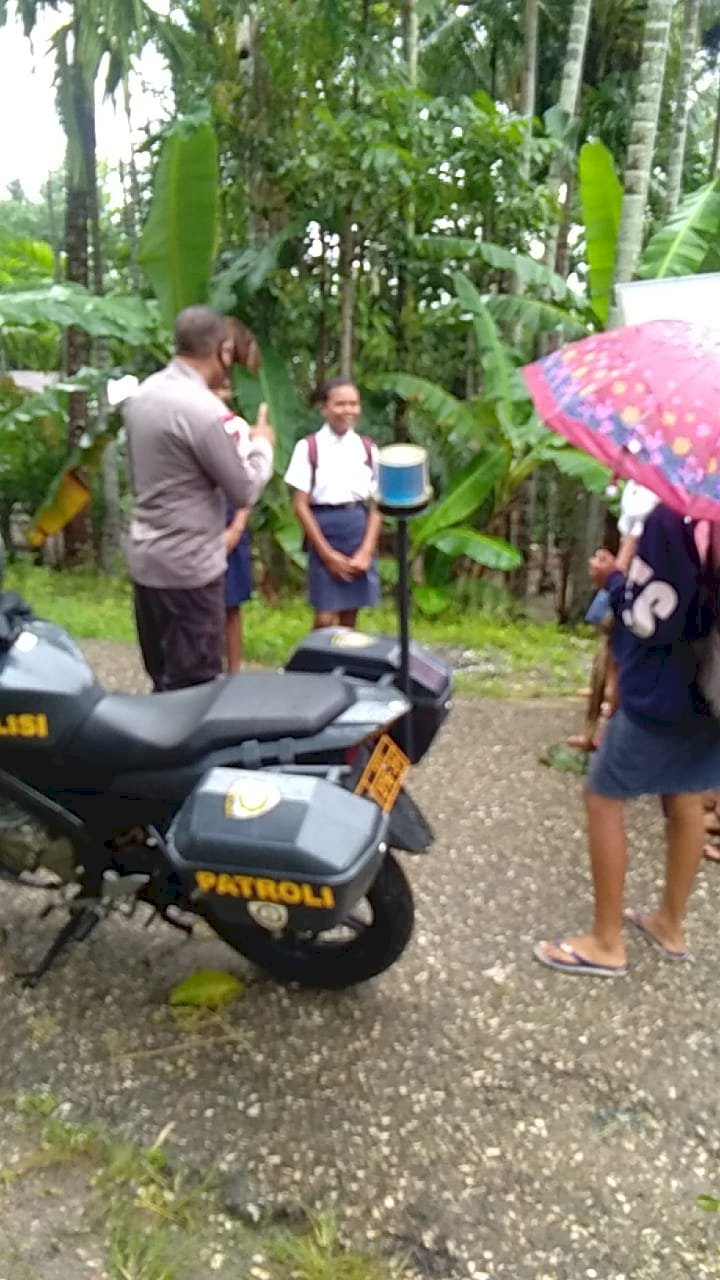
{"type": "Point", "coordinates": [325, 961]}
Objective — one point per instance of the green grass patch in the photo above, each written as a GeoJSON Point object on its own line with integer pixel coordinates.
{"type": "Point", "coordinates": [89, 605]}
{"type": "Point", "coordinates": [150, 1220]}
{"type": "Point", "coordinates": [503, 657]}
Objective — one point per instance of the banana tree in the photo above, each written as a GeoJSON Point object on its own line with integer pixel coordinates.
{"type": "Point", "coordinates": [177, 247]}
{"type": "Point", "coordinates": [90, 35]}
{"type": "Point", "coordinates": [684, 245]}
{"type": "Point", "coordinates": [177, 253]}
{"type": "Point", "coordinates": [601, 203]}
{"type": "Point", "coordinates": [496, 443]}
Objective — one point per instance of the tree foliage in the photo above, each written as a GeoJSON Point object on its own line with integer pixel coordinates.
{"type": "Point", "coordinates": [307, 181]}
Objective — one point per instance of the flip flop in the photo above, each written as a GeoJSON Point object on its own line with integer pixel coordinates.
{"type": "Point", "coordinates": [637, 920]}
{"type": "Point", "coordinates": [577, 963]}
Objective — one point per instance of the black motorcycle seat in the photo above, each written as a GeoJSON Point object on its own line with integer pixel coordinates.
{"type": "Point", "coordinates": [128, 732]}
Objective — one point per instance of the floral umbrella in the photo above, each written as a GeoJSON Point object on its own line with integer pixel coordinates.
{"type": "Point", "coordinates": [646, 401]}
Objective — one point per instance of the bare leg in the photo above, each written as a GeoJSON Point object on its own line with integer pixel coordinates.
{"type": "Point", "coordinates": [711, 851]}
{"type": "Point", "coordinates": [233, 639]}
{"type": "Point", "coordinates": [604, 944]}
{"type": "Point", "coordinates": [685, 839]}
{"type": "Point", "coordinates": [348, 617]}
{"type": "Point", "coordinates": [323, 619]}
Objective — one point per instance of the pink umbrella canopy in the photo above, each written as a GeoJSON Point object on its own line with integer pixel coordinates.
{"type": "Point", "coordinates": [646, 401]}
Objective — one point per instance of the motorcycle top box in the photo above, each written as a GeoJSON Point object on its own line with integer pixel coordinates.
{"type": "Point", "coordinates": [284, 849]}
{"type": "Point", "coordinates": [375, 658]}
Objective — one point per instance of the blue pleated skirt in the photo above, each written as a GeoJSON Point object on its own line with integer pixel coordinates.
{"type": "Point", "coordinates": [238, 575]}
{"type": "Point", "coordinates": [641, 759]}
{"type": "Point", "coordinates": [344, 528]}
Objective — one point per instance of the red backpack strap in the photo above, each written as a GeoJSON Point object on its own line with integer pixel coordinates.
{"type": "Point", "coordinates": [368, 451]}
{"type": "Point", "coordinates": [312, 448]}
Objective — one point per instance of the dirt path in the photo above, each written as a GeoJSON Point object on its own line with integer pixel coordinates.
{"type": "Point", "coordinates": [468, 1109]}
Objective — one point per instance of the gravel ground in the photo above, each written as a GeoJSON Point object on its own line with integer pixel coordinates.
{"type": "Point", "coordinates": [483, 1116]}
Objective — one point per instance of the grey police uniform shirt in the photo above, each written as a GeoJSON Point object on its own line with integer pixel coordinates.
{"type": "Point", "coordinates": [185, 470]}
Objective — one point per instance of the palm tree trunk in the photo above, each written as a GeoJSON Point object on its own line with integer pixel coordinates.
{"type": "Point", "coordinates": [641, 146]}
{"type": "Point", "coordinates": [715, 159]}
{"type": "Point", "coordinates": [79, 213]}
{"type": "Point", "coordinates": [112, 516]}
{"type": "Point", "coordinates": [570, 86]}
{"type": "Point", "coordinates": [519, 521]}
{"type": "Point", "coordinates": [528, 88]}
{"type": "Point", "coordinates": [55, 235]}
{"type": "Point", "coordinates": [587, 537]}
{"type": "Point", "coordinates": [410, 39]}
{"type": "Point", "coordinates": [347, 294]}
{"type": "Point", "coordinates": [131, 199]}
{"type": "Point", "coordinates": [676, 159]}
{"type": "Point", "coordinates": [321, 349]}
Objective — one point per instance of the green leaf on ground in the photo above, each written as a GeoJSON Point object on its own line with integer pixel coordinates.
{"type": "Point", "coordinates": [207, 989]}
{"type": "Point", "coordinates": [565, 759]}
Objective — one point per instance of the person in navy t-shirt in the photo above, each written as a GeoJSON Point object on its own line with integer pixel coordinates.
{"type": "Point", "coordinates": [663, 740]}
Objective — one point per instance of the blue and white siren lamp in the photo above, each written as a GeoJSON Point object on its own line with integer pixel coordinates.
{"type": "Point", "coordinates": [403, 479]}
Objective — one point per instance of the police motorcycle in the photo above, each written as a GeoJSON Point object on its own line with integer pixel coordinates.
{"type": "Point", "coordinates": [267, 804]}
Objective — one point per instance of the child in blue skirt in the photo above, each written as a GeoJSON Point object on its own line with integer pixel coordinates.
{"type": "Point", "coordinates": [238, 583]}
{"type": "Point", "coordinates": [662, 740]}
{"type": "Point", "coordinates": [238, 574]}
{"type": "Point", "coordinates": [332, 474]}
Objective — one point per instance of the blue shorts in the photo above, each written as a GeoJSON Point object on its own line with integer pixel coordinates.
{"type": "Point", "coordinates": [638, 758]}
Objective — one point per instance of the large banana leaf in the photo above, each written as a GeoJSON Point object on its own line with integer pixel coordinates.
{"type": "Point", "coordinates": [133, 320]}
{"type": "Point", "coordinates": [601, 198]}
{"type": "Point", "coordinates": [580, 466]}
{"type": "Point", "coordinates": [273, 385]}
{"type": "Point", "coordinates": [445, 409]}
{"type": "Point", "coordinates": [529, 271]}
{"type": "Point", "coordinates": [472, 490]}
{"type": "Point", "coordinates": [681, 247]}
{"type": "Point", "coordinates": [503, 385]}
{"type": "Point", "coordinates": [248, 270]}
{"type": "Point", "coordinates": [24, 258]}
{"type": "Point", "coordinates": [535, 315]}
{"type": "Point", "coordinates": [493, 553]}
{"type": "Point", "coordinates": [178, 240]}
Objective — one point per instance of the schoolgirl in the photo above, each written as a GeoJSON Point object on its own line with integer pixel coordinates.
{"type": "Point", "coordinates": [663, 740]}
{"type": "Point", "coordinates": [332, 474]}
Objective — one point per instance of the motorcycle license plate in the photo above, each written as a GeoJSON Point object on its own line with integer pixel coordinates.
{"type": "Point", "coordinates": [384, 774]}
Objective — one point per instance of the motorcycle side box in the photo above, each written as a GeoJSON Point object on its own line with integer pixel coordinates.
{"type": "Point", "coordinates": [368, 657]}
{"type": "Point", "coordinates": [285, 850]}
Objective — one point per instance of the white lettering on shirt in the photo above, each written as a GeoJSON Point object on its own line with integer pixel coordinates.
{"type": "Point", "coordinates": [655, 601]}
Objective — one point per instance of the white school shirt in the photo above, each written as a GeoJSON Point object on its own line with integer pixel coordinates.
{"type": "Point", "coordinates": [342, 474]}
{"type": "Point", "coordinates": [239, 432]}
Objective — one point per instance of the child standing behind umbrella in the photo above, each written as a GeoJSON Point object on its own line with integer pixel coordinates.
{"type": "Point", "coordinates": [663, 740]}
{"type": "Point", "coordinates": [333, 475]}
